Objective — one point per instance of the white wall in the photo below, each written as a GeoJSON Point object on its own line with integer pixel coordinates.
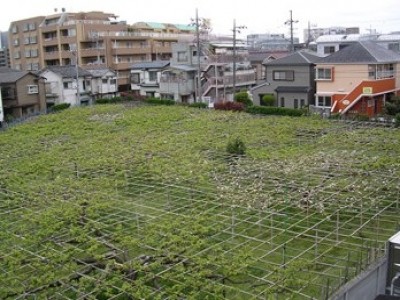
{"type": "Point", "coordinates": [1, 109]}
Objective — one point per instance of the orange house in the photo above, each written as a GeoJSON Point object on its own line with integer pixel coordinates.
{"type": "Point", "coordinates": [358, 79]}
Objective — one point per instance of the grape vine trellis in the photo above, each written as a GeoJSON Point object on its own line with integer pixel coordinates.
{"type": "Point", "coordinates": [110, 203]}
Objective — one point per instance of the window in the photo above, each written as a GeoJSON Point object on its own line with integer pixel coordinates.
{"type": "Point", "coordinates": [34, 52]}
{"type": "Point", "coordinates": [302, 103]}
{"type": "Point", "coordinates": [25, 27]}
{"type": "Point", "coordinates": [32, 26]}
{"type": "Point", "coordinates": [135, 78]}
{"type": "Point", "coordinates": [152, 76]}
{"type": "Point", "coordinates": [329, 49]}
{"type": "Point", "coordinates": [33, 39]}
{"type": "Point", "coordinates": [104, 81]}
{"type": "Point", "coordinates": [283, 75]}
{"type": "Point", "coordinates": [16, 42]}
{"type": "Point", "coordinates": [381, 71]}
{"type": "Point", "coordinates": [72, 32]}
{"type": "Point", "coordinates": [324, 101]}
{"type": "Point", "coordinates": [394, 47]}
{"type": "Point", "coordinates": [113, 81]}
{"type": "Point", "coordinates": [14, 29]}
{"type": "Point", "coordinates": [67, 84]}
{"type": "Point", "coordinates": [35, 67]}
{"type": "Point", "coordinates": [282, 100]}
{"type": "Point", "coordinates": [28, 67]}
{"type": "Point", "coordinates": [17, 67]}
{"type": "Point", "coordinates": [324, 74]}
{"type": "Point", "coordinates": [182, 56]}
{"type": "Point", "coordinates": [17, 54]}
{"type": "Point", "coordinates": [33, 89]}
{"type": "Point", "coordinates": [296, 103]}
{"type": "Point", "coordinates": [28, 53]}
{"type": "Point", "coordinates": [26, 40]}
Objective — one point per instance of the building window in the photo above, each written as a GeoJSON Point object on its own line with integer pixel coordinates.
{"type": "Point", "coordinates": [324, 101]}
{"type": "Point", "coordinates": [302, 103]}
{"type": "Point", "coordinates": [17, 67]}
{"type": "Point", "coordinates": [113, 81]}
{"type": "Point", "coordinates": [324, 74]}
{"type": "Point", "coordinates": [135, 78]}
{"type": "Point", "coordinates": [25, 27]}
{"type": "Point", "coordinates": [17, 54]}
{"type": "Point", "coordinates": [35, 67]}
{"type": "Point", "coordinates": [26, 40]}
{"type": "Point", "coordinates": [67, 84]}
{"type": "Point", "coordinates": [282, 101]}
{"type": "Point", "coordinates": [33, 39]}
{"type": "Point", "coordinates": [104, 81]}
{"type": "Point", "coordinates": [32, 26]}
{"type": "Point", "coordinates": [33, 89]}
{"type": "Point", "coordinates": [296, 103]}
{"type": "Point", "coordinates": [34, 52]}
{"type": "Point", "coordinates": [283, 75]}
{"type": "Point", "coordinates": [182, 56]}
{"type": "Point", "coordinates": [16, 42]}
{"type": "Point", "coordinates": [329, 49]}
{"type": "Point", "coordinates": [14, 29]}
{"type": "Point", "coordinates": [394, 47]}
{"type": "Point", "coordinates": [152, 76]}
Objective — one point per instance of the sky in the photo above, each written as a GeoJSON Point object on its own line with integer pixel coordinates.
{"type": "Point", "coordinates": [258, 16]}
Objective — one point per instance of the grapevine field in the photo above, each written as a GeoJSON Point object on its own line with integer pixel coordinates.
{"type": "Point", "coordinates": [113, 202]}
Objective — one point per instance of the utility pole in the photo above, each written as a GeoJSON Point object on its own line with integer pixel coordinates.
{"type": "Point", "coordinates": [198, 96]}
{"type": "Point", "coordinates": [236, 29]}
{"type": "Point", "coordinates": [290, 23]}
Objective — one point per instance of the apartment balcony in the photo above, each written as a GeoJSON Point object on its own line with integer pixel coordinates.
{"type": "Point", "coordinates": [50, 41]}
{"type": "Point", "coordinates": [51, 55]}
{"type": "Point", "coordinates": [92, 52]}
{"type": "Point", "coordinates": [178, 86]}
{"type": "Point", "coordinates": [68, 39]}
{"type": "Point", "coordinates": [130, 51]}
{"type": "Point", "coordinates": [122, 66]}
{"type": "Point", "coordinates": [162, 49]}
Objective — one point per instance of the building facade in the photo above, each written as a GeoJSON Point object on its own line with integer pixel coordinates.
{"type": "Point", "coordinates": [90, 38]}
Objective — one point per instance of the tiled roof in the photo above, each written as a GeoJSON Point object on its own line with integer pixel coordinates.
{"type": "Point", "coordinates": [302, 57]}
{"type": "Point", "coordinates": [68, 71]}
{"type": "Point", "coordinates": [99, 71]}
{"type": "Point", "coordinates": [362, 52]}
{"type": "Point", "coordinates": [157, 64]}
{"type": "Point", "coordinates": [155, 25]}
{"type": "Point", "coordinates": [11, 76]}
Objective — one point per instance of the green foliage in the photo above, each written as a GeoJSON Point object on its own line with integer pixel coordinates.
{"type": "Point", "coordinates": [268, 100]}
{"type": "Point", "coordinates": [279, 111]}
{"type": "Point", "coordinates": [198, 105]}
{"type": "Point", "coordinates": [110, 100]}
{"type": "Point", "coordinates": [397, 120]}
{"type": "Point", "coordinates": [236, 147]}
{"type": "Point", "coordinates": [392, 107]}
{"type": "Point", "coordinates": [59, 107]}
{"type": "Point", "coordinates": [361, 117]}
{"type": "Point", "coordinates": [156, 101]}
{"type": "Point", "coordinates": [243, 97]}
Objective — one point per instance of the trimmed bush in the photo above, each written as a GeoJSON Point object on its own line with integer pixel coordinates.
{"type": "Point", "coordinates": [243, 97]}
{"type": "Point", "coordinates": [229, 105]}
{"type": "Point", "coordinates": [59, 107]}
{"type": "Point", "coordinates": [198, 105]}
{"type": "Point", "coordinates": [268, 100]}
{"type": "Point", "coordinates": [156, 101]}
{"type": "Point", "coordinates": [397, 120]}
{"type": "Point", "coordinates": [279, 111]}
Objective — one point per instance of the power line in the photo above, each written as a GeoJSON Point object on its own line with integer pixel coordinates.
{"type": "Point", "coordinates": [290, 23]}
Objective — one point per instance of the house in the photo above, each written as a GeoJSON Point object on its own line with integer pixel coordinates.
{"type": "Point", "coordinates": [145, 77]}
{"type": "Point", "coordinates": [357, 79]}
{"type": "Point", "coordinates": [289, 79]}
{"type": "Point", "coordinates": [61, 85]}
{"type": "Point", "coordinates": [103, 82]}
{"type": "Point", "coordinates": [22, 93]}
{"type": "Point", "coordinates": [258, 57]}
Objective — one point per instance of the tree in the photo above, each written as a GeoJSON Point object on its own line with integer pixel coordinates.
{"type": "Point", "coordinates": [243, 97]}
{"type": "Point", "coordinates": [392, 107]}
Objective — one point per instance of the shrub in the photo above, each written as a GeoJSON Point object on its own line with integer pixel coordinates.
{"type": "Point", "coordinates": [59, 107]}
{"type": "Point", "coordinates": [279, 111]}
{"type": "Point", "coordinates": [229, 105]}
{"type": "Point", "coordinates": [392, 107]}
{"type": "Point", "coordinates": [397, 120]}
{"type": "Point", "coordinates": [236, 147]}
{"type": "Point", "coordinates": [268, 100]}
{"type": "Point", "coordinates": [198, 105]}
{"type": "Point", "coordinates": [243, 97]}
{"type": "Point", "coordinates": [156, 101]}
{"type": "Point", "coordinates": [361, 117]}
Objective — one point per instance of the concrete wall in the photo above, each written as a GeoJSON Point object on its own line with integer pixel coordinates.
{"type": "Point", "coordinates": [367, 285]}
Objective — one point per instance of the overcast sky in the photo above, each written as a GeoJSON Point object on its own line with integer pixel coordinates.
{"type": "Point", "coordinates": [258, 16]}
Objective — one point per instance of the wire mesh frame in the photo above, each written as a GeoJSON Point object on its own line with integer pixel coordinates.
{"type": "Point", "coordinates": [290, 225]}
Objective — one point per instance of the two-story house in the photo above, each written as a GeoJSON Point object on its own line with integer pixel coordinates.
{"type": "Point", "coordinates": [289, 79]}
{"type": "Point", "coordinates": [67, 84]}
{"type": "Point", "coordinates": [103, 82]}
{"type": "Point", "coordinates": [22, 93]}
{"type": "Point", "coordinates": [145, 77]}
{"type": "Point", "coordinates": [357, 79]}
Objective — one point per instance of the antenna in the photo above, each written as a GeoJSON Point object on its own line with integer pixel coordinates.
{"type": "Point", "coordinates": [290, 23]}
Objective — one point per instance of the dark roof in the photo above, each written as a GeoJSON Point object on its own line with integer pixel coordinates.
{"type": "Point", "coordinates": [68, 71]}
{"type": "Point", "coordinates": [99, 72]}
{"type": "Point", "coordinates": [302, 57]}
{"type": "Point", "coordinates": [12, 76]}
{"type": "Point", "coordinates": [157, 64]}
{"type": "Point", "coordinates": [182, 67]}
{"type": "Point", "coordinates": [362, 52]}
{"type": "Point", "coordinates": [263, 55]}
{"type": "Point", "coordinates": [292, 89]}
